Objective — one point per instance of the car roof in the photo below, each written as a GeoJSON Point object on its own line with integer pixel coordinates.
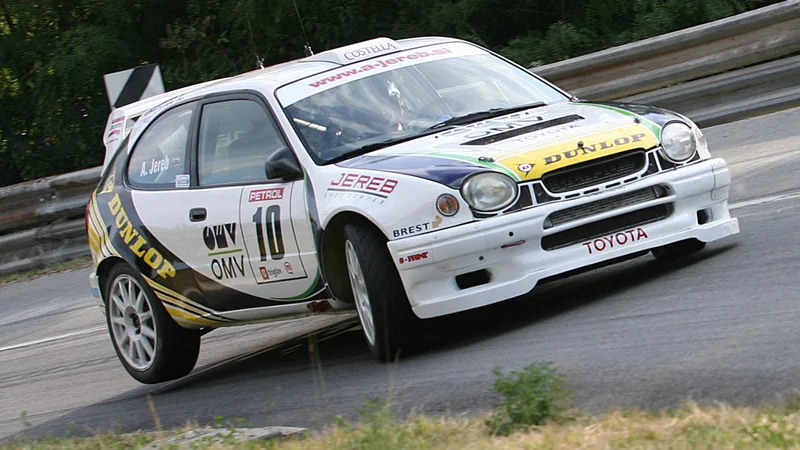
{"type": "Point", "coordinates": [264, 79]}
{"type": "Point", "coordinates": [274, 76]}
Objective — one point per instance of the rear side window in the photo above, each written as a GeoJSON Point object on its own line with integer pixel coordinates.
{"type": "Point", "coordinates": [160, 154]}
{"type": "Point", "coordinates": [236, 137]}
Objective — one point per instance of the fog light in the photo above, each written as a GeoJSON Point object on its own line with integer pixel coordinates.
{"type": "Point", "coordinates": [447, 205]}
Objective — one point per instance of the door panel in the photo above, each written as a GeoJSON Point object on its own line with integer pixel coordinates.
{"type": "Point", "coordinates": [212, 246]}
{"type": "Point", "coordinates": [277, 235]}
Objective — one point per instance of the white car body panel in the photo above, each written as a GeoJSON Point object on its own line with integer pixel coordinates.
{"type": "Point", "coordinates": [429, 249]}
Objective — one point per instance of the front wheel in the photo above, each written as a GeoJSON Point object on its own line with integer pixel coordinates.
{"type": "Point", "coordinates": [150, 345]}
{"type": "Point", "coordinates": [387, 321]}
{"type": "Point", "coordinates": [677, 250]}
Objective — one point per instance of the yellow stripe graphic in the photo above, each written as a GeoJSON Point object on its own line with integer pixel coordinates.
{"type": "Point", "coordinates": [106, 241]}
{"type": "Point", "coordinates": [167, 294]}
{"type": "Point", "coordinates": [182, 316]}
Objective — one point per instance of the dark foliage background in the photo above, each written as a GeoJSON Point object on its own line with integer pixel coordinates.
{"type": "Point", "coordinates": [53, 53]}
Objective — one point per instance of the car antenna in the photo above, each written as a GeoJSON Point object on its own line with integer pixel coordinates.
{"type": "Point", "coordinates": [307, 46]}
{"type": "Point", "coordinates": [259, 61]}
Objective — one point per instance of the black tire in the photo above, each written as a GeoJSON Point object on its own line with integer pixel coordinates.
{"type": "Point", "coordinates": [677, 250]}
{"type": "Point", "coordinates": [396, 327]}
{"type": "Point", "coordinates": [175, 348]}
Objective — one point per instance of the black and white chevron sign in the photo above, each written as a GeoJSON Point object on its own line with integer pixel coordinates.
{"type": "Point", "coordinates": [132, 85]}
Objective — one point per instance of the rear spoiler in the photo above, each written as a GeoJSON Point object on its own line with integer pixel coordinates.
{"type": "Point", "coordinates": [121, 120]}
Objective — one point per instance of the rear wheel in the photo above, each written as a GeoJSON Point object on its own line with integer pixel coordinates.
{"type": "Point", "coordinates": [386, 318]}
{"type": "Point", "coordinates": [150, 345]}
{"type": "Point", "coordinates": [677, 250]}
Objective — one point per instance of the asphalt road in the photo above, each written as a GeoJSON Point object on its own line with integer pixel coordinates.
{"type": "Point", "coordinates": [722, 325]}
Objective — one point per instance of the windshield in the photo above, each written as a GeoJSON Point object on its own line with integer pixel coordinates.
{"type": "Point", "coordinates": [379, 102]}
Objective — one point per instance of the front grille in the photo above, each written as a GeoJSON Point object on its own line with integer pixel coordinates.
{"type": "Point", "coordinates": [601, 206]}
{"type": "Point", "coordinates": [594, 172]}
{"type": "Point", "coordinates": [606, 226]}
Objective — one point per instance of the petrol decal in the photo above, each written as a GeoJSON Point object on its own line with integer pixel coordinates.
{"type": "Point", "coordinates": [540, 160]}
{"type": "Point", "coordinates": [261, 195]}
{"type": "Point", "coordinates": [616, 240]}
{"type": "Point", "coordinates": [413, 258]}
{"type": "Point", "coordinates": [227, 258]}
{"type": "Point", "coordinates": [137, 243]}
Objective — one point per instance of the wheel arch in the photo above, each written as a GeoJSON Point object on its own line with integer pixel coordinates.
{"type": "Point", "coordinates": [102, 271]}
{"type": "Point", "coordinates": [334, 266]}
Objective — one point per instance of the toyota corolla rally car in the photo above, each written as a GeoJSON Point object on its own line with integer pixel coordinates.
{"type": "Point", "coordinates": [408, 179]}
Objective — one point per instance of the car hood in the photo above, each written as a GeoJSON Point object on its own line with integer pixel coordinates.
{"type": "Point", "coordinates": [523, 145]}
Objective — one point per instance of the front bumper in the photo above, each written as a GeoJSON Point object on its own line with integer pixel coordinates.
{"type": "Point", "coordinates": [94, 287]}
{"type": "Point", "coordinates": [429, 264]}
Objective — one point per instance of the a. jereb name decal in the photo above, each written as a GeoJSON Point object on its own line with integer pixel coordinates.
{"type": "Point", "coordinates": [138, 244]}
{"type": "Point", "coordinates": [379, 188]}
{"type": "Point", "coordinates": [418, 228]}
{"type": "Point", "coordinates": [227, 261]}
{"type": "Point", "coordinates": [261, 195]}
{"type": "Point", "coordinates": [158, 165]}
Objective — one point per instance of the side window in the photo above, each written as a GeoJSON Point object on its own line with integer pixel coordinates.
{"type": "Point", "coordinates": [236, 137]}
{"type": "Point", "coordinates": [160, 154]}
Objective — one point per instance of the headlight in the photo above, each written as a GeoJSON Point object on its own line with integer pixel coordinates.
{"type": "Point", "coordinates": [702, 143]}
{"type": "Point", "coordinates": [489, 191]}
{"type": "Point", "coordinates": [678, 142]}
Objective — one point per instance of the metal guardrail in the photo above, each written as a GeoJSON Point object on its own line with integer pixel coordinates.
{"type": "Point", "coordinates": [714, 73]}
{"type": "Point", "coordinates": [41, 221]}
{"type": "Point", "coordinates": [707, 72]}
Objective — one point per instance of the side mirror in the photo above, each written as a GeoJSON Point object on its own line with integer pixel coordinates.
{"type": "Point", "coordinates": [282, 165]}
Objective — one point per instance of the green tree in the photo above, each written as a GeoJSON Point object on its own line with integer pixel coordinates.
{"type": "Point", "coordinates": [54, 53]}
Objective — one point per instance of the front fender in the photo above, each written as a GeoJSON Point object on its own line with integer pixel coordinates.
{"type": "Point", "coordinates": [399, 205]}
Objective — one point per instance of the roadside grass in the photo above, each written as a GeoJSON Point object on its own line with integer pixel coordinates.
{"type": "Point", "coordinates": [688, 427]}
{"type": "Point", "coordinates": [61, 266]}
{"type": "Point", "coordinates": [532, 412]}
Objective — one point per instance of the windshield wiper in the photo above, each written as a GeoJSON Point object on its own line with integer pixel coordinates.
{"type": "Point", "coordinates": [460, 120]}
{"type": "Point", "coordinates": [483, 115]}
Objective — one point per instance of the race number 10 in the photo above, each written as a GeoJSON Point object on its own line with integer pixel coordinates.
{"type": "Point", "coordinates": [272, 223]}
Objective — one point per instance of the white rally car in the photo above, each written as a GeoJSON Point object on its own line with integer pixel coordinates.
{"type": "Point", "coordinates": [409, 179]}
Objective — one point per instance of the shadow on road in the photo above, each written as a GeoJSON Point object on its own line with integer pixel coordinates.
{"type": "Point", "coordinates": [553, 298]}
{"type": "Point", "coordinates": [272, 382]}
